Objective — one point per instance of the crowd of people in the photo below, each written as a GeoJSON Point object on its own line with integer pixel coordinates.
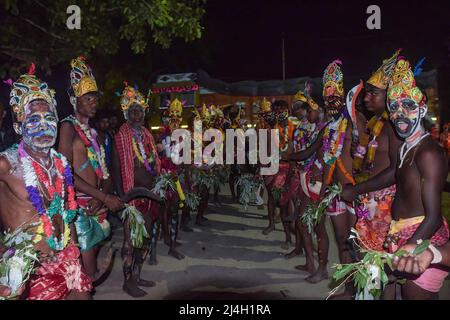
{"type": "Point", "coordinates": [63, 195]}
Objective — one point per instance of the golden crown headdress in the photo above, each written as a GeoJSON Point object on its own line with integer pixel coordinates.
{"type": "Point", "coordinates": [266, 106]}
{"type": "Point", "coordinates": [333, 80]}
{"type": "Point", "coordinates": [305, 97]}
{"type": "Point", "coordinates": [175, 109]}
{"type": "Point", "coordinates": [81, 77]}
{"type": "Point", "coordinates": [403, 84]}
{"type": "Point", "coordinates": [26, 89]}
{"type": "Point", "coordinates": [216, 112]}
{"type": "Point", "coordinates": [205, 114]}
{"type": "Point", "coordinates": [381, 77]}
{"type": "Point", "coordinates": [132, 95]}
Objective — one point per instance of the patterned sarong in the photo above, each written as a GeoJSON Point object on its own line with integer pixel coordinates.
{"type": "Point", "coordinates": [374, 217]}
{"type": "Point", "coordinates": [401, 231]}
{"type": "Point", "coordinates": [55, 278]}
{"type": "Point", "coordinates": [91, 230]}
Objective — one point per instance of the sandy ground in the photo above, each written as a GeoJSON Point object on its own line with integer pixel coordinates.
{"type": "Point", "coordinates": [229, 259]}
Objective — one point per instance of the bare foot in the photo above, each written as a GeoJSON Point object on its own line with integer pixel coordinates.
{"type": "Point", "coordinates": [293, 253]}
{"type": "Point", "coordinates": [176, 254]}
{"type": "Point", "coordinates": [286, 245]}
{"type": "Point", "coordinates": [268, 230]}
{"type": "Point", "coordinates": [146, 283]}
{"type": "Point", "coordinates": [133, 290]}
{"type": "Point", "coordinates": [306, 267]}
{"type": "Point", "coordinates": [318, 276]}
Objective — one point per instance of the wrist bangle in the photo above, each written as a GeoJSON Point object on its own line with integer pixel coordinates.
{"type": "Point", "coordinates": [437, 256]}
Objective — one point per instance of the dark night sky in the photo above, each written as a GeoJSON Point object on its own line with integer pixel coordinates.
{"type": "Point", "coordinates": [242, 41]}
{"type": "Point", "coordinates": [242, 38]}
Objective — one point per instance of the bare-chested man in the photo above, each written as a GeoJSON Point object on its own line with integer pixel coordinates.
{"type": "Point", "coordinates": [311, 179]}
{"type": "Point", "coordinates": [420, 179]}
{"type": "Point", "coordinates": [173, 198]}
{"type": "Point", "coordinates": [336, 149]}
{"type": "Point", "coordinates": [78, 142]}
{"type": "Point", "coordinates": [36, 187]}
{"type": "Point", "coordinates": [279, 183]}
{"type": "Point", "coordinates": [138, 162]}
{"type": "Point", "coordinates": [375, 163]}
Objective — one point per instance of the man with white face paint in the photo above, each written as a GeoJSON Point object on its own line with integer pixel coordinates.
{"type": "Point", "coordinates": [420, 179]}
{"type": "Point", "coordinates": [36, 187]}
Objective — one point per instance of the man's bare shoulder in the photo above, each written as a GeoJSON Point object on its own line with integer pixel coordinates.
{"type": "Point", "coordinates": [67, 126]}
{"type": "Point", "coordinates": [430, 153]}
{"type": "Point", "coordinates": [5, 166]}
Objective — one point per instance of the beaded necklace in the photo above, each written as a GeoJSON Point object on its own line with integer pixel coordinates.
{"type": "Point", "coordinates": [34, 176]}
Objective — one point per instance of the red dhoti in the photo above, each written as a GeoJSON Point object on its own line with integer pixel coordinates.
{"type": "Point", "coordinates": [59, 275]}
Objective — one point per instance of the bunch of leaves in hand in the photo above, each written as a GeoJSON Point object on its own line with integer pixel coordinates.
{"type": "Point", "coordinates": [203, 178]}
{"type": "Point", "coordinates": [136, 224]}
{"type": "Point", "coordinates": [162, 183]}
{"type": "Point", "coordinates": [315, 211]}
{"type": "Point", "coordinates": [248, 184]}
{"type": "Point", "coordinates": [192, 200]}
{"type": "Point", "coordinates": [18, 261]}
{"type": "Point", "coordinates": [369, 275]}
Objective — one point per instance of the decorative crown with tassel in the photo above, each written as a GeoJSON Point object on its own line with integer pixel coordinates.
{"type": "Point", "coordinates": [333, 80]}
{"type": "Point", "coordinates": [26, 89]}
{"type": "Point", "coordinates": [130, 96]}
{"type": "Point", "coordinates": [381, 77]}
{"type": "Point", "coordinates": [81, 78]}
{"type": "Point", "coordinates": [403, 85]}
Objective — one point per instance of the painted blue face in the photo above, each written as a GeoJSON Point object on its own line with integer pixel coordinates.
{"type": "Point", "coordinates": [39, 128]}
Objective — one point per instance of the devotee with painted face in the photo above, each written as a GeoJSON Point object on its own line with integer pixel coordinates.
{"type": "Point", "coordinates": [420, 179]}
{"type": "Point", "coordinates": [37, 194]}
{"type": "Point", "coordinates": [336, 142]}
{"type": "Point", "coordinates": [80, 144]}
{"type": "Point", "coordinates": [139, 164]}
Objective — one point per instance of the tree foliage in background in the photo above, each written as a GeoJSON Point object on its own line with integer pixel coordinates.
{"type": "Point", "coordinates": [35, 30]}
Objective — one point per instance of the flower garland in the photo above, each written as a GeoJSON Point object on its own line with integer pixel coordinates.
{"type": "Point", "coordinates": [283, 140]}
{"type": "Point", "coordinates": [95, 152]}
{"type": "Point", "coordinates": [366, 148]}
{"type": "Point", "coordinates": [34, 175]}
{"type": "Point", "coordinates": [140, 153]}
{"type": "Point", "coordinates": [333, 143]}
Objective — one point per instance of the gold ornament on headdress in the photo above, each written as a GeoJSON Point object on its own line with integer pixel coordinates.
{"type": "Point", "coordinates": [333, 80]}
{"type": "Point", "coordinates": [381, 77]}
{"type": "Point", "coordinates": [176, 109]}
{"type": "Point", "coordinates": [266, 106]}
{"type": "Point", "coordinates": [205, 114]}
{"type": "Point", "coordinates": [216, 112]}
{"type": "Point", "coordinates": [81, 77]}
{"type": "Point", "coordinates": [306, 97]}
{"type": "Point", "coordinates": [26, 89]}
{"type": "Point", "coordinates": [300, 96]}
{"type": "Point", "coordinates": [403, 84]}
{"type": "Point", "coordinates": [130, 96]}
